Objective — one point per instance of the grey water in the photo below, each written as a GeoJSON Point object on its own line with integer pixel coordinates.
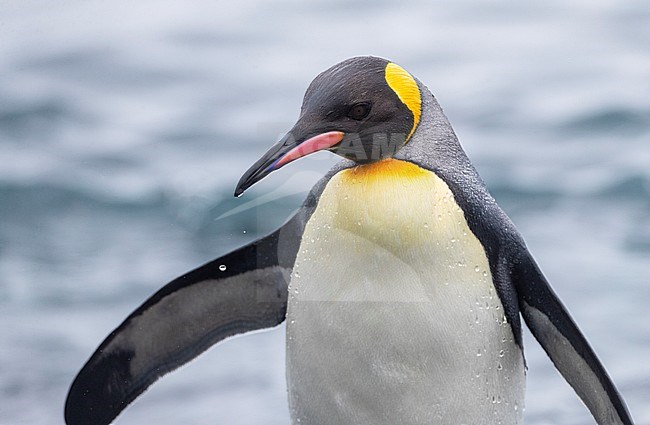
{"type": "Point", "coordinates": [124, 127]}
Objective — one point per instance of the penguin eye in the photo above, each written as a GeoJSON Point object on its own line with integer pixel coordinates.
{"type": "Point", "coordinates": [359, 111]}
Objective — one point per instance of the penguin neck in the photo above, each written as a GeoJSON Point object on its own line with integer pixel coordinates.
{"type": "Point", "coordinates": [434, 144]}
{"type": "Point", "coordinates": [434, 125]}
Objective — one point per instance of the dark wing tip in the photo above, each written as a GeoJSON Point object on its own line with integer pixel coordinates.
{"type": "Point", "coordinates": [559, 335]}
{"type": "Point", "coordinates": [97, 394]}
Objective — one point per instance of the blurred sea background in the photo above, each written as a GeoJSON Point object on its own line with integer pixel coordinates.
{"type": "Point", "coordinates": [124, 127]}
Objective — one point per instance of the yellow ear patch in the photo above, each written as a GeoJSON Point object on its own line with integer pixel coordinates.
{"type": "Point", "coordinates": [404, 85]}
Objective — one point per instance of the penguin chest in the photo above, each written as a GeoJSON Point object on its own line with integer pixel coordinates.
{"type": "Point", "coordinates": [392, 315]}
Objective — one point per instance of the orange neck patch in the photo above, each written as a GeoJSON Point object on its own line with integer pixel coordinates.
{"type": "Point", "coordinates": [386, 168]}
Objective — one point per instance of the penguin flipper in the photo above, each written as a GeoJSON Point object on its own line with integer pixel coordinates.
{"type": "Point", "coordinates": [183, 319]}
{"type": "Point", "coordinates": [553, 327]}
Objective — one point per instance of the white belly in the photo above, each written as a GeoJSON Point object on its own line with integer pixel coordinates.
{"type": "Point", "coordinates": [392, 316]}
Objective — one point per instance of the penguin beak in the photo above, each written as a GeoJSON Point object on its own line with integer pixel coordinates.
{"type": "Point", "coordinates": [285, 151]}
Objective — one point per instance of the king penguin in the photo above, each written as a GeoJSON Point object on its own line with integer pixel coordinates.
{"type": "Point", "coordinates": [401, 280]}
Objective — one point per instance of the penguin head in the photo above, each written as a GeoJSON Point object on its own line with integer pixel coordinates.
{"type": "Point", "coordinates": [363, 109]}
